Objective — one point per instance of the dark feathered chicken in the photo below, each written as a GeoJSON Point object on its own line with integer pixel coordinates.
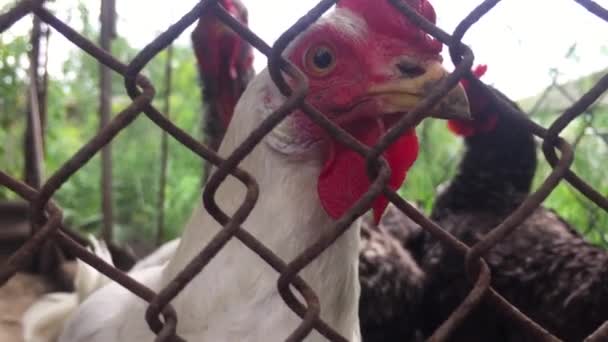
{"type": "Point", "coordinates": [544, 268]}
{"type": "Point", "coordinates": [391, 280]}
{"type": "Point", "coordinates": [225, 63]}
{"type": "Point", "coordinates": [497, 168]}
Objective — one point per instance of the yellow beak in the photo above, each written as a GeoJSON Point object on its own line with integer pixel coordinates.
{"type": "Point", "coordinates": [403, 94]}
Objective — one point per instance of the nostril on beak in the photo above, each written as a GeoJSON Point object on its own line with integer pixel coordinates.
{"type": "Point", "coordinates": [410, 70]}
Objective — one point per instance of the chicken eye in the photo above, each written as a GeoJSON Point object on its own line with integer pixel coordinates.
{"type": "Point", "coordinates": [320, 60]}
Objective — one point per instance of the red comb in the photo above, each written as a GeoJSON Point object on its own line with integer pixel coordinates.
{"type": "Point", "coordinates": [483, 122]}
{"type": "Point", "coordinates": [479, 71]}
{"type": "Point", "coordinates": [384, 18]}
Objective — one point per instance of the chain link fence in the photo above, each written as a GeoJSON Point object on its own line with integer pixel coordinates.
{"type": "Point", "coordinates": [162, 319]}
{"type": "Point", "coordinates": [586, 137]}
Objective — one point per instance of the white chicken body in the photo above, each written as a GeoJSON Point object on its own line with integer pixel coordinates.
{"type": "Point", "coordinates": [235, 297]}
{"type": "Point", "coordinates": [362, 76]}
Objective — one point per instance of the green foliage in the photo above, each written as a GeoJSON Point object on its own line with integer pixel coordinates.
{"type": "Point", "coordinates": [436, 163]}
{"type": "Point", "coordinates": [13, 66]}
{"type": "Point", "coordinates": [136, 151]}
{"type": "Point", "coordinates": [588, 134]}
{"type": "Point", "coordinates": [73, 121]}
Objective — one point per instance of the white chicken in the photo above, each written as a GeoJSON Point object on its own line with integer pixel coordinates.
{"type": "Point", "coordinates": [366, 65]}
{"type": "Point", "coordinates": [43, 320]}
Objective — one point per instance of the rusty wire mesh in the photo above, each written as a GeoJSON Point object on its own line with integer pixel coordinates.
{"type": "Point", "coordinates": [47, 217]}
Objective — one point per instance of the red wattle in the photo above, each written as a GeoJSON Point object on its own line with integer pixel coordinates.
{"type": "Point", "coordinates": [400, 156]}
{"type": "Point", "coordinates": [344, 178]}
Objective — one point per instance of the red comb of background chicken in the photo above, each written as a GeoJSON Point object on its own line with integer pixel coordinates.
{"type": "Point", "coordinates": [478, 72]}
{"type": "Point", "coordinates": [220, 38]}
{"type": "Point", "coordinates": [482, 122]}
{"type": "Point", "coordinates": [389, 21]}
{"type": "Point", "coordinates": [225, 63]}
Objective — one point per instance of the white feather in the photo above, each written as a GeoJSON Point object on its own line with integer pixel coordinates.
{"type": "Point", "coordinates": [235, 297]}
{"type": "Point", "coordinates": [224, 302]}
{"type": "Point", "coordinates": [160, 256]}
{"type": "Point", "coordinates": [43, 321]}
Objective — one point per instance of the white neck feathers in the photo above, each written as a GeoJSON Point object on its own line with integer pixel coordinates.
{"type": "Point", "coordinates": [287, 218]}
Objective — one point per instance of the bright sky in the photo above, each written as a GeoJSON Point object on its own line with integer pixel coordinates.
{"type": "Point", "coordinates": [520, 40]}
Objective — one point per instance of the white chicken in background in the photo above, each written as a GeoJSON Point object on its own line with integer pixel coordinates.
{"type": "Point", "coordinates": [366, 65]}
{"type": "Point", "coordinates": [43, 321]}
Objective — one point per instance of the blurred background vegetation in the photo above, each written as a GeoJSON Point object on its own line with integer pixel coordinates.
{"type": "Point", "coordinates": [73, 120]}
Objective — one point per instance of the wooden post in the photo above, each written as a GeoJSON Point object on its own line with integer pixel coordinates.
{"type": "Point", "coordinates": [33, 132]}
{"type": "Point", "coordinates": [164, 154]}
{"type": "Point", "coordinates": [108, 32]}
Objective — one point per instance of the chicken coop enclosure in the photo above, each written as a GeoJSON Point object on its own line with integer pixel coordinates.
{"type": "Point", "coordinates": [46, 216]}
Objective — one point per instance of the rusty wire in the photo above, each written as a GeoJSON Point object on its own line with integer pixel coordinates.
{"type": "Point", "coordinates": [160, 316]}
